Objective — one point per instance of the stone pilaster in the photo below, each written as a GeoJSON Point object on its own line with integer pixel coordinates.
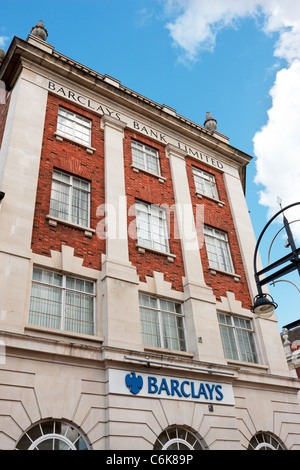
{"type": "Point", "coordinates": [19, 168]}
{"type": "Point", "coordinates": [119, 277]}
{"type": "Point", "coordinates": [200, 303]}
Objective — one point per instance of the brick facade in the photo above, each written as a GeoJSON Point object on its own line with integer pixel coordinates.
{"type": "Point", "coordinates": [147, 188]}
{"type": "Point", "coordinates": [71, 158]}
{"type": "Point", "coordinates": [220, 218]}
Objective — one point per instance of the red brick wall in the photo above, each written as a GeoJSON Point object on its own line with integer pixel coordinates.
{"type": "Point", "coordinates": [147, 188]}
{"type": "Point", "coordinates": [220, 218]}
{"type": "Point", "coordinates": [74, 159]}
{"type": "Point", "coordinates": [71, 158]}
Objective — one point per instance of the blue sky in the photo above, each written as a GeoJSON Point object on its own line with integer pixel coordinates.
{"type": "Point", "coordinates": [239, 60]}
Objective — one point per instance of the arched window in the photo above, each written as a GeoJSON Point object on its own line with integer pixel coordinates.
{"type": "Point", "coordinates": [176, 438]}
{"type": "Point", "coordinates": [265, 441]}
{"type": "Point", "coordinates": [52, 435]}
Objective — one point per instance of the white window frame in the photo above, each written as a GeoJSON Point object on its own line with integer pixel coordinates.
{"type": "Point", "coordinates": [69, 182]}
{"type": "Point", "coordinates": [37, 318]}
{"type": "Point", "coordinates": [238, 338]}
{"type": "Point", "coordinates": [147, 154]}
{"type": "Point", "coordinates": [153, 217]}
{"type": "Point", "coordinates": [218, 249]}
{"type": "Point", "coordinates": [160, 335]}
{"type": "Point", "coordinates": [177, 438]}
{"type": "Point", "coordinates": [265, 441]}
{"type": "Point", "coordinates": [205, 183]}
{"type": "Point", "coordinates": [70, 438]}
{"type": "Point", "coordinates": [71, 125]}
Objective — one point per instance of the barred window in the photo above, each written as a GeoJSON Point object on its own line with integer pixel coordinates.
{"type": "Point", "coordinates": [217, 248]}
{"type": "Point", "coordinates": [162, 323]}
{"type": "Point", "coordinates": [74, 126]}
{"type": "Point", "coordinates": [237, 338]}
{"type": "Point", "coordinates": [70, 198]}
{"type": "Point", "coordinates": [62, 302]}
{"type": "Point", "coordinates": [205, 183]}
{"type": "Point", "coordinates": [151, 226]}
{"type": "Point", "coordinates": [145, 157]}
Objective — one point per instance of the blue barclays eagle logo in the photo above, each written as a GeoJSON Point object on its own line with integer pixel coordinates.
{"type": "Point", "coordinates": [134, 383]}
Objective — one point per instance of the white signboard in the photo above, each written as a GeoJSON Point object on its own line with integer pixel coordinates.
{"type": "Point", "coordinates": [161, 386]}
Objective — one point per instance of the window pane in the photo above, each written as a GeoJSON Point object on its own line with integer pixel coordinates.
{"type": "Point", "coordinates": [152, 164]}
{"type": "Point", "coordinates": [138, 158]}
{"type": "Point", "coordinates": [79, 313]}
{"type": "Point", "coordinates": [89, 287]}
{"type": "Point", "coordinates": [148, 301]}
{"type": "Point", "coordinates": [79, 207]}
{"type": "Point", "coordinates": [45, 306]}
{"type": "Point", "coordinates": [159, 233]}
{"type": "Point", "coordinates": [205, 183]}
{"type": "Point", "coordinates": [145, 157]}
{"type": "Point", "coordinates": [246, 346]}
{"type": "Point", "coordinates": [62, 177]}
{"type": "Point", "coordinates": [60, 198]}
{"type": "Point", "coordinates": [37, 274]}
{"type": "Point", "coordinates": [70, 199]}
{"type": "Point", "coordinates": [170, 332]}
{"type": "Point", "coordinates": [238, 340]}
{"type": "Point", "coordinates": [167, 306]}
{"type": "Point", "coordinates": [70, 307]}
{"type": "Point", "coordinates": [150, 327]}
{"type": "Point", "coordinates": [218, 251]}
{"type": "Point", "coordinates": [158, 229]}
{"type": "Point", "coordinates": [160, 328]}
{"type": "Point", "coordinates": [229, 344]}
{"type": "Point", "coordinates": [74, 126]}
{"type": "Point", "coordinates": [143, 224]}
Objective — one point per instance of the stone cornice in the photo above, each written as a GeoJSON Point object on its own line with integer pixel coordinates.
{"type": "Point", "coordinates": [21, 51]}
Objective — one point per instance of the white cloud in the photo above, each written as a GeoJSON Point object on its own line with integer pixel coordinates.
{"type": "Point", "coordinates": [277, 144]}
{"type": "Point", "coordinates": [199, 21]}
{"type": "Point", "coordinates": [3, 40]}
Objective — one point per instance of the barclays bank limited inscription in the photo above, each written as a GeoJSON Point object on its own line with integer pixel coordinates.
{"type": "Point", "coordinates": [83, 100]}
{"type": "Point", "coordinates": [107, 110]}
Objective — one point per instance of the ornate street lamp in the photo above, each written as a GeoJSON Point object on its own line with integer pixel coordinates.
{"type": "Point", "coordinates": [263, 304]}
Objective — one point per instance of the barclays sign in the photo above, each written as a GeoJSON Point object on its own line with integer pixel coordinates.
{"type": "Point", "coordinates": [161, 386]}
